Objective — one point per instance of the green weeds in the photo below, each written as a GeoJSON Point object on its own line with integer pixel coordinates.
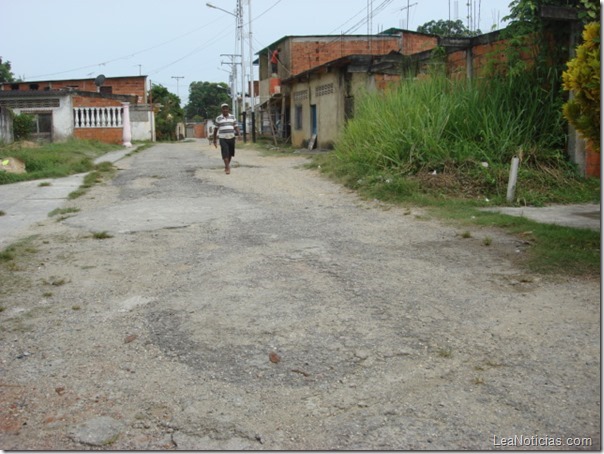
{"type": "Point", "coordinates": [53, 160]}
{"type": "Point", "coordinates": [447, 145]}
{"type": "Point", "coordinates": [63, 211]}
{"type": "Point", "coordinates": [101, 235]}
{"type": "Point", "coordinates": [448, 138]}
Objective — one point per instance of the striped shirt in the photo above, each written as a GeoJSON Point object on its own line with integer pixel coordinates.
{"type": "Point", "coordinates": [226, 126]}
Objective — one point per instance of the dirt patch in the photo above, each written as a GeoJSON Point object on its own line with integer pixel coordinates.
{"type": "Point", "coordinates": [12, 165]}
{"type": "Point", "coordinates": [272, 309]}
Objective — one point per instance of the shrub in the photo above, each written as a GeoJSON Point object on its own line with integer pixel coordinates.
{"type": "Point", "coordinates": [23, 126]}
{"type": "Point", "coordinates": [583, 78]}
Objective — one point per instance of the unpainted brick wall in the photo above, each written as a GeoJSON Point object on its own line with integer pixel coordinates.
{"type": "Point", "coordinates": [383, 81]}
{"type": "Point", "coordinates": [119, 85]}
{"type": "Point", "coordinates": [85, 101]}
{"type": "Point", "coordinates": [414, 44]}
{"type": "Point", "coordinates": [306, 55]}
{"type": "Point", "coordinates": [200, 130]}
{"type": "Point", "coordinates": [482, 55]}
{"type": "Point", "coordinates": [107, 135]}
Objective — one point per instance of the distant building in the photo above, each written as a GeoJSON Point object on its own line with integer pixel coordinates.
{"type": "Point", "coordinates": [310, 97]}
{"type": "Point", "coordinates": [83, 108]}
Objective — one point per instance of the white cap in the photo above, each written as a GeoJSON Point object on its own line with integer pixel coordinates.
{"type": "Point", "coordinates": [224, 105]}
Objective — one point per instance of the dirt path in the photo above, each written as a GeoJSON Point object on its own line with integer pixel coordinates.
{"type": "Point", "coordinates": [273, 309]}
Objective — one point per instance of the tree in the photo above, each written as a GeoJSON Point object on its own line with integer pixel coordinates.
{"type": "Point", "coordinates": [525, 14]}
{"type": "Point", "coordinates": [170, 113]}
{"type": "Point", "coordinates": [447, 28]}
{"type": "Point", "coordinates": [205, 99]}
{"type": "Point", "coordinates": [6, 74]}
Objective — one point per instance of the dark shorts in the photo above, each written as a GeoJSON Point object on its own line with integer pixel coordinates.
{"type": "Point", "coordinates": [227, 148]}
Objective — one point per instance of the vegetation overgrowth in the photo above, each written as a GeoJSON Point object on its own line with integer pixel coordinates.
{"type": "Point", "coordinates": [582, 77]}
{"type": "Point", "coordinates": [438, 137]}
{"type": "Point", "coordinates": [53, 160]}
{"type": "Point", "coordinates": [447, 145]}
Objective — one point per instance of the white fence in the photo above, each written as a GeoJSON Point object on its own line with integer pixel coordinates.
{"type": "Point", "coordinates": [98, 117]}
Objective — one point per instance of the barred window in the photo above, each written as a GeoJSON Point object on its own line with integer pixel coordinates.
{"type": "Point", "coordinates": [322, 90]}
{"type": "Point", "coordinates": [300, 95]}
{"type": "Point", "coordinates": [31, 103]}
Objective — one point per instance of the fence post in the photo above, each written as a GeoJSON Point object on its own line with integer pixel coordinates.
{"type": "Point", "coordinates": [513, 178]}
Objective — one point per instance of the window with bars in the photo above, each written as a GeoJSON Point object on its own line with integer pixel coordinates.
{"type": "Point", "coordinates": [300, 95]}
{"type": "Point", "coordinates": [31, 103]}
{"type": "Point", "coordinates": [323, 90]}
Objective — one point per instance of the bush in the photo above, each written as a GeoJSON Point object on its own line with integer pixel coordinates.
{"type": "Point", "coordinates": [23, 126]}
{"type": "Point", "coordinates": [583, 78]}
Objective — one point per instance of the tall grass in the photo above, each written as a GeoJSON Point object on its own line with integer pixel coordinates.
{"type": "Point", "coordinates": [471, 129]}
{"type": "Point", "coordinates": [427, 123]}
{"type": "Point", "coordinates": [53, 160]}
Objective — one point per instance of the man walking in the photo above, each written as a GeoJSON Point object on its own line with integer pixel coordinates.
{"type": "Point", "coordinates": [225, 129]}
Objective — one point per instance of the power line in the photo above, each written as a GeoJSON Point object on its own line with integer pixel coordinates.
{"type": "Point", "coordinates": [194, 51]}
{"type": "Point", "coordinates": [128, 56]}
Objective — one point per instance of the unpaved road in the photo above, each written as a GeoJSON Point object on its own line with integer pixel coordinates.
{"type": "Point", "coordinates": [273, 309]}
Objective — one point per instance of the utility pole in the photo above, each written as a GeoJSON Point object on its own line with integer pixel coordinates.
{"type": "Point", "coordinates": [177, 88]}
{"type": "Point", "coordinates": [240, 21]}
{"type": "Point", "coordinates": [369, 22]}
{"type": "Point", "coordinates": [232, 80]}
{"type": "Point", "coordinates": [252, 94]}
{"type": "Point", "coordinates": [407, 8]}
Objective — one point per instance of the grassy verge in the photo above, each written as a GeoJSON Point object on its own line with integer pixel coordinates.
{"type": "Point", "coordinates": [552, 249]}
{"type": "Point", "coordinates": [447, 146]}
{"type": "Point", "coordinates": [102, 171]}
{"type": "Point", "coordinates": [53, 160]}
{"type": "Point", "coordinates": [266, 147]}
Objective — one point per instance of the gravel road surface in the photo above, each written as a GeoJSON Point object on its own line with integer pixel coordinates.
{"type": "Point", "coordinates": [271, 309]}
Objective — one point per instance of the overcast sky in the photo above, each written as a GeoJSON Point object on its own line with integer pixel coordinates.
{"type": "Point", "coordinates": [176, 42]}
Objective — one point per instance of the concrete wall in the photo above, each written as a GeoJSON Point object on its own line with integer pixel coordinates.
{"type": "Point", "coordinates": [62, 120]}
{"type": "Point", "coordinates": [62, 116]}
{"type": "Point", "coordinates": [326, 93]}
{"type": "Point", "coordinates": [141, 122]}
{"type": "Point", "coordinates": [6, 126]}
{"type": "Point", "coordinates": [332, 94]}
